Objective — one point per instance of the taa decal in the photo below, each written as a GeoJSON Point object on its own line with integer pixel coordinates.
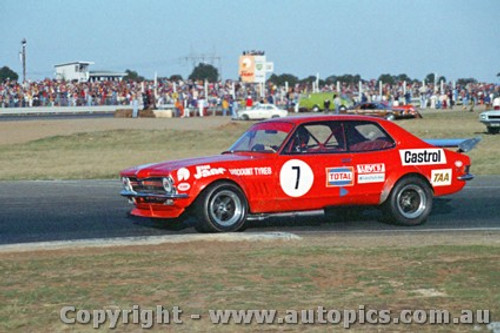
{"type": "Point", "coordinates": [183, 174]}
{"type": "Point", "coordinates": [422, 156]}
{"type": "Point", "coordinates": [371, 173]}
{"type": "Point", "coordinates": [296, 178]}
{"type": "Point", "coordinates": [203, 171]}
{"type": "Point", "coordinates": [341, 176]}
{"type": "Point", "coordinates": [441, 177]}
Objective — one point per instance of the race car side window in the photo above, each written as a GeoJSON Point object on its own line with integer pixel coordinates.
{"type": "Point", "coordinates": [363, 136]}
{"type": "Point", "coordinates": [317, 138]}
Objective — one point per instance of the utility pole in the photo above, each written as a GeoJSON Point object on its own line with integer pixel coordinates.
{"type": "Point", "coordinates": [23, 43]}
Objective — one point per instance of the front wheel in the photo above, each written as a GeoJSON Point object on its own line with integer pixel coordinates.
{"type": "Point", "coordinates": [410, 201]}
{"type": "Point", "coordinates": [222, 207]}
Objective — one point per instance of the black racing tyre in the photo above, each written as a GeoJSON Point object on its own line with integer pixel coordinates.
{"type": "Point", "coordinates": [493, 130]}
{"type": "Point", "coordinates": [315, 108]}
{"type": "Point", "coordinates": [342, 108]}
{"type": "Point", "coordinates": [245, 117]}
{"type": "Point", "coordinates": [410, 201]}
{"type": "Point", "coordinates": [222, 207]}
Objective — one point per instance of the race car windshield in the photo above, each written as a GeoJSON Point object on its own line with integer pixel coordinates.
{"type": "Point", "coordinates": [264, 137]}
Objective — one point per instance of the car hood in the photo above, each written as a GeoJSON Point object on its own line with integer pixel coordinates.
{"type": "Point", "coordinates": [491, 113]}
{"type": "Point", "coordinates": [163, 168]}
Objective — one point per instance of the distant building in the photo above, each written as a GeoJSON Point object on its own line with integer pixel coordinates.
{"type": "Point", "coordinates": [106, 76]}
{"type": "Point", "coordinates": [79, 71]}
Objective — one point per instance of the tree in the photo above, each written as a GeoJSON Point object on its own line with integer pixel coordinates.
{"type": "Point", "coordinates": [498, 74]}
{"type": "Point", "coordinates": [133, 76]}
{"type": "Point", "coordinates": [204, 72]}
{"type": "Point", "coordinates": [403, 77]}
{"type": "Point", "coordinates": [176, 77]}
{"type": "Point", "coordinates": [387, 79]}
{"type": "Point", "coordinates": [349, 79]}
{"type": "Point", "coordinates": [430, 78]}
{"type": "Point", "coordinates": [280, 80]}
{"type": "Point", "coordinates": [331, 79]}
{"type": "Point", "coordinates": [466, 81]}
{"type": "Point", "coordinates": [7, 73]}
{"type": "Point", "coordinates": [441, 78]}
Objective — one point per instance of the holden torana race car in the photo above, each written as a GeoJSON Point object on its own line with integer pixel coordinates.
{"type": "Point", "coordinates": [300, 166]}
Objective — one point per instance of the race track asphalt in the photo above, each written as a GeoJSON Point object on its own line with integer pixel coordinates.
{"type": "Point", "coordinates": [35, 211]}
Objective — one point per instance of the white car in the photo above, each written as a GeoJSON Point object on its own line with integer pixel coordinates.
{"type": "Point", "coordinates": [262, 111]}
{"type": "Point", "coordinates": [491, 119]}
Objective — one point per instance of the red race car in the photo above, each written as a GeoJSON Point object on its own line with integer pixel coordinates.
{"type": "Point", "coordinates": [303, 165]}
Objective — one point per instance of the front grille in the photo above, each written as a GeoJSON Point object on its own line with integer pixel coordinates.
{"type": "Point", "coordinates": [493, 117]}
{"type": "Point", "coordinates": [148, 185]}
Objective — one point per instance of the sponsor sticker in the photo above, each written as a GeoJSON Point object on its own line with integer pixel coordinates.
{"type": "Point", "coordinates": [203, 171]}
{"type": "Point", "coordinates": [183, 174]}
{"type": "Point", "coordinates": [296, 178]}
{"type": "Point", "coordinates": [422, 156]}
{"type": "Point", "coordinates": [339, 176]}
{"type": "Point", "coordinates": [257, 171]}
{"type": "Point", "coordinates": [183, 187]}
{"type": "Point", "coordinates": [371, 173]}
{"type": "Point", "coordinates": [441, 177]}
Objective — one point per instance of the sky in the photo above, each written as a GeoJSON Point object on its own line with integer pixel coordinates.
{"type": "Point", "coordinates": [453, 38]}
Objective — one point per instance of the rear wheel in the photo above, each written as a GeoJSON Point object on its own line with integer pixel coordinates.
{"type": "Point", "coordinates": [410, 201]}
{"type": "Point", "coordinates": [245, 117]}
{"type": "Point", "coordinates": [222, 207]}
{"type": "Point", "coordinates": [315, 108]}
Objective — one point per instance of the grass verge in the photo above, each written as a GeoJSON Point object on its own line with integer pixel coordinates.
{"type": "Point", "coordinates": [392, 272]}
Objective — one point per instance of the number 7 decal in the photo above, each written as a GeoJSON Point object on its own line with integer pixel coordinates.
{"type": "Point", "coordinates": [297, 168]}
{"type": "Point", "coordinates": [296, 178]}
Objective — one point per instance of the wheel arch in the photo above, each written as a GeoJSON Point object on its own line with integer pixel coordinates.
{"type": "Point", "coordinates": [203, 187]}
{"type": "Point", "coordinates": [389, 185]}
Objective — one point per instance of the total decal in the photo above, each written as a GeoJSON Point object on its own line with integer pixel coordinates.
{"type": "Point", "coordinates": [252, 171]}
{"type": "Point", "coordinates": [371, 173]}
{"type": "Point", "coordinates": [339, 176]}
{"type": "Point", "coordinates": [422, 156]}
{"type": "Point", "coordinates": [441, 177]}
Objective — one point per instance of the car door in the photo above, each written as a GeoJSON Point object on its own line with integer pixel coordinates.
{"type": "Point", "coordinates": [372, 152]}
{"type": "Point", "coordinates": [314, 169]}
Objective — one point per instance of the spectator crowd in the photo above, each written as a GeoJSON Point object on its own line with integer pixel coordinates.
{"type": "Point", "coordinates": [232, 94]}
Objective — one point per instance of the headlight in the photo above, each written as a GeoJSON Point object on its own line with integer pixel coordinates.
{"type": "Point", "coordinates": [167, 184]}
{"type": "Point", "coordinates": [126, 184]}
{"type": "Point", "coordinates": [483, 116]}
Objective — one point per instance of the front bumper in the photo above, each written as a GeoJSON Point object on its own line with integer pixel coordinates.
{"type": "Point", "coordinates": [133, 194]}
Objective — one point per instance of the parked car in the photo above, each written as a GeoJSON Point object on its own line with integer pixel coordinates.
{"type": "Point", "coordinates": [384, 110]}
{"type": "Point", "coordinates": [262, 111]}
{"type": "Point", "coordinates": [303, 165]}
{"type": "Point", "coordinates": [491, 119]}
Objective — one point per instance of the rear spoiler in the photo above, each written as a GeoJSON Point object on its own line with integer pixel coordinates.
{"type": "Point", "coordinates": [463, 145]}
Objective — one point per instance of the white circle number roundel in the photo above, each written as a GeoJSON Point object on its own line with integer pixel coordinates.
{"type": "Point", "coordinates": [296, 178]}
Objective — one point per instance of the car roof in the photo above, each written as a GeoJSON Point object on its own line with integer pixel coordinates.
{"type": "Point", "coordinates": [297, 120]}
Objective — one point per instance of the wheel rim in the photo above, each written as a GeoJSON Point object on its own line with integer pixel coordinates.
{"type": "Point", "coordinates": [411, 201]}
{"type": "Point", "coordinates": [226, 208]}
